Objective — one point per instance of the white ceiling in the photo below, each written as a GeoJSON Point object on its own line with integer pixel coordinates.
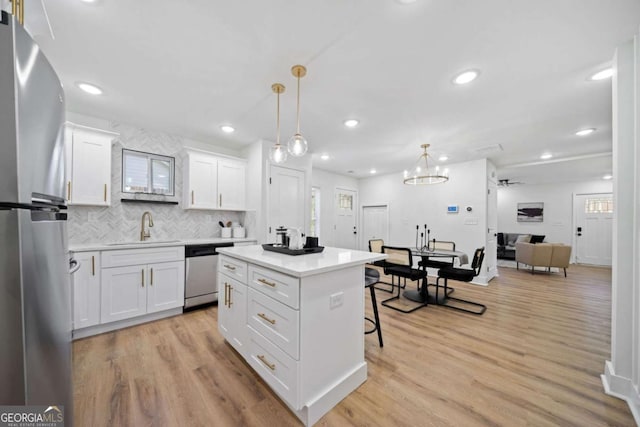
{"type": "Point", "coordinates": [189, 67]}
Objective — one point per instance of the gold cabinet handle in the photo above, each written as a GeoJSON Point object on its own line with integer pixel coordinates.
{"type": "Point", "coordinates": [221, 200]}
{"type": "Point", "coordinates": [151, 278]}
{"type": "Point", "coordinates": [143, 278]}
{"type": "Point", "coordinates": [93, 265]}
{"type": "Point", "coordinates": [230, 267]}
{"type": "Point", "coordinates": [226, 294]}
{"type": "Point", "coordinates": [230, 294]}
{"type": "Point", "coordinates": [69, 190]}
{"type": "Point", "coordinates": [192, 197]}
{"type": "Point", "coordinates": [105, 192]}
{"type": "Point", "coordinates": [264, 316]}
{"type": "Point", "coordinates": [271, 366]}
{"type": "Point", "coordinates": [266, 282]}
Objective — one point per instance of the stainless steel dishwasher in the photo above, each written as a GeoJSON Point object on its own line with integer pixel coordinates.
{"type": "Point", "coordinates": [201, 273]}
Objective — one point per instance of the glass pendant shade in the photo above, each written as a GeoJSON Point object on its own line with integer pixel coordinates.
{"type": "Point", "coordinates": [421, 175]}
{"type": "Point", "coordinates": [277, 154]}
{"type": "Point", "coordinates": [297, 145]}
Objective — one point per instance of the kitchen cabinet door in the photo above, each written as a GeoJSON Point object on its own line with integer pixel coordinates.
{"type": "Point", "coordinates": [90, 178]}
{"type": "Point", "coordinates": [124, 292]}
{"type": "Point", "coordinates": [86, 290]}
{"type": "Point", "coordinates": [201, 182]}
{"type": "Point", "coordinates": [231, 184]}
{"type": "Point", "coordinates": [232, 311]}
{"type": "Point", "coordinates": [166, 286]}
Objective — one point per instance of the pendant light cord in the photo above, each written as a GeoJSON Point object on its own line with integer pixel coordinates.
{"type": "Point", "coordinates": [278, 122]}
{"type": "Point", "coordinates": [298, 106]}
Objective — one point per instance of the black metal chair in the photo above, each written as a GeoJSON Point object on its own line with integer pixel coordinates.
{"type": "Point", "coordinates": [399, 263]}
{"type": "Point", "coordinates": [371, 277]}
{"type": "Point", "coordinates": [375, 245]}
{"type": "Point", "coordinates": [461, 275]}
{"type": "Point", "coordinates": [434, 245]}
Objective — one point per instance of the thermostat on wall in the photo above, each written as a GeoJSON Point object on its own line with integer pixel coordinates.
{"type": "Point", "coordinates": [452, 209]}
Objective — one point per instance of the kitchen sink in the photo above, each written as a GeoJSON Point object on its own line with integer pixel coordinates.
{"type": "Point", "coordinates": [138, 242]}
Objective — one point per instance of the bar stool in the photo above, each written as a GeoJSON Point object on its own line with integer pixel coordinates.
{"type": "Point", "coordinates": [371, 277]}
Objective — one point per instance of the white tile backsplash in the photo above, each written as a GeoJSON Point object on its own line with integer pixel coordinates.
{"type": "Point", "coordinates": [121, 221]}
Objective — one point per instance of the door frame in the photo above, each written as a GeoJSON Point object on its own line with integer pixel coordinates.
{"type": "Point", "coordinates": [365, 245]}
{"type": "Point", "coordinates": [574, 219]}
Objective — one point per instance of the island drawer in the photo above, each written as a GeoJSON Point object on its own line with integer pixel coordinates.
{"type": "Point", "coordinates": [277, 322]}
{"type": "Point", "coordinates": [125, 257]}
{"type": "Point", "coordinates": [233, 268]}
{"type": "Point", "coordinates": [278, 286]}
{"type": "Point", "coordinates": [275, 367]}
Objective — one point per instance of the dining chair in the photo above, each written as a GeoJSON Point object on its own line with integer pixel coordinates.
{"type": "Point", "coordinates": [399, 263]}
{"type": "Point", "coordinates": [461, 275]}
{"type": "Point", "coordinates": [375, 245]}
{"type": "Point", "coordinates": [435, 245]}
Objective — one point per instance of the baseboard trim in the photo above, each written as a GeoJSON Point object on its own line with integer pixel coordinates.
{"type": "Point", "coordinates": [120, 324]}
{"type": "Point", "coordinates": [621, 388]}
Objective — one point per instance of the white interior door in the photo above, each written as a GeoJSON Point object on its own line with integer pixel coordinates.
{"type": "Point", "coordinates": [345, 230]}
{"type": "Point", "coordinates": [490, 251]}
{"type": "Point", "coordinates": [286, 200]}
{"type": "Point", "coordinates": [375, 224]}
{"type": "Point", "coordinates": [593, 215]}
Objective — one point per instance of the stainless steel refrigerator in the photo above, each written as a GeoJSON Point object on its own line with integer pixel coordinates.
{"type": "Point", "coordinates": [35, 302]}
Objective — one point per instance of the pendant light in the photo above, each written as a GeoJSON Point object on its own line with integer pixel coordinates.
{"type": "Point", "coordinates": [420, 174]}
{"type": "Point", "coordinates": [297, 145]}
{"type": "Point", "coordinates": [277, 153]}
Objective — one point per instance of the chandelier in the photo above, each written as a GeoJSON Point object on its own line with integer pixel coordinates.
{"type": "Point", "coordinates": [421, 175]}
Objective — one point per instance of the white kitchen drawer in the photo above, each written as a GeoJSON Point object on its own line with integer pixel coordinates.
{"type": "Point", "coordinates": [278, 323]}
{"type": "Point", "coordinates": [233, 268]}
{"type": "Point", "coordinates": [278, 286]}
{"type": "Point", "coordinates": [275, 367]}
{"type": "Point", "coordinates": [124, 257]}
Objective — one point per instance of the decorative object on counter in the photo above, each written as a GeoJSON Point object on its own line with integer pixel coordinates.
{"type": "Point", "coordinates": [311, 242]}
{"type": "Point", "coordinates": [295, 236]}
{"type": "Point", "coordinates": [281, 236]}
{"type": "Point", "coordinates": [297, 145]}
{"type": "Point", "coordinates": [424, 244]}
{"type": "Point", "coordinates": [225, 232]}
{"type": "Point", "coordinates": [420, 174]}
{"type": "Point", "coordinates": [285, 250]}
{"type": "Point", "coordinates": [277, 153]}
{"type": "Point", "coordinates": [238, 232]}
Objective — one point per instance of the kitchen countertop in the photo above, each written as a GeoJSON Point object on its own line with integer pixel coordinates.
{"type": "Point", "coordinates": [302, 265]}
{"type": "Point", "coordinates": [84, 247]}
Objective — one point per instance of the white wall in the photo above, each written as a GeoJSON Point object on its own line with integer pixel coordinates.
{"type": "Point", "coordinates": [327, 182]}
{"type": "Point", "coordinates": [427, 204]}
{"type": "Point", "coordinates": [557, 224]}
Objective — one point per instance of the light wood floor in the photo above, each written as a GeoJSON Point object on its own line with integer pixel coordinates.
{"type": "Point", "coordinates": [533, 359]}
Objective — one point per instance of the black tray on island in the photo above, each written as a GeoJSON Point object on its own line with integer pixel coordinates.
{"type": "Point", "coordinates": [285, 250]}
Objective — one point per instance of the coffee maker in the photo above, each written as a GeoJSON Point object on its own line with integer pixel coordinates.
{"type": "Point", "coordinates": [281, 237]}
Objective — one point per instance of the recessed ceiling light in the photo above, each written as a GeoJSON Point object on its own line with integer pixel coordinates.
{"type": "Point", "coordinates": [584, 132]}
{"type": "Point", "coordinates": [602, 74]}
{"type": "Point", "coordinates": [88, 1]}
{"type": "Point", "coordinates": [405, 1]}
{"type": "Point", "coordinates": [607, 176]}
{"type": "Point", "coordinates": [443, 158]}
{"type": "Point", "coordinates": [351, 123]}
{"type": "Point", "coordinates": [89, 88]}
{"type": "Point", "coordinates": [325, 157]}
{"type": "Point", "coordinates": [466, 77]}
{"type": "Point", "coordinates": [546, 156]}
{"type": "Point", "coordinates": [349, 171]}
{"type": "Point", "coordinates": [372, 171]}
{"type": "Point", "coordinates": [227, 129]}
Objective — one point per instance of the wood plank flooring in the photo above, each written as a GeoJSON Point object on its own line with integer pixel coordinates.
{"type": "Point", "coordinates": [533, 359]}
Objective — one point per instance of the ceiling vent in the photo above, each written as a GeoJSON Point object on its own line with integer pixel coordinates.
{"type": "Point", "coordinates": [489, 149]}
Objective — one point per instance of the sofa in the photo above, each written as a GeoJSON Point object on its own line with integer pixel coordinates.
{"type": "Point", "coordinates": [543, 255]}
{"type": "Point", "coordinates": [507, 243]}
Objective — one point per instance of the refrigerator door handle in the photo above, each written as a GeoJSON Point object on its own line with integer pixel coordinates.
{"type": "Point", "coordinates": [74, 265]}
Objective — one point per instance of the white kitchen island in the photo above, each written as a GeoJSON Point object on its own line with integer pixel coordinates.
{"type": "Point", "coordinates": [298, 321]}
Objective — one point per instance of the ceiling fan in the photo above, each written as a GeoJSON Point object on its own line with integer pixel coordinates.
{"type": "Point", "coordinates": [507, 182]}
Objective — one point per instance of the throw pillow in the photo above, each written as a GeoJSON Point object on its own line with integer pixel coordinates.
{"type": "Point", "coordinates": [536, 238]}
{"type": "Point", "coordinates": [524, 238]}
{"type": "Point", "coordinates": [511, 239]}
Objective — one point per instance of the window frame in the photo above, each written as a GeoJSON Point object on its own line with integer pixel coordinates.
{"type": "Point", "coordinates": [150, 157]}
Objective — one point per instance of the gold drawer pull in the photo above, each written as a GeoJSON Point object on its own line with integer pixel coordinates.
{"type": "Point", "coordinates": [69, 190]}
{"type": "Point", "coordinates": [142, 278]}
{"type": "Point", "coordinates": [230, 294]}
{"type": "Point", "coordinates": [230, 267]}
{"type": "Point", "coordinates": [266, 282]}
{"type": "Point", "coordinates": [105, 192]}
{"type": "Point", "coordinates": [151, 277]}
{"type": "Point", "coordinates": [93, 265]}
{"type": "Point", "coordinates": [271, 366]}
{"type": "Point", "coordinates": [226, 294]}
{"type": "Point", "coordinates": [264, 316]}
{"type": "Point", "coordinates": [192, 197]}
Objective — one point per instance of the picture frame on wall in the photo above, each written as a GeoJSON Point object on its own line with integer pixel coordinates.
{"type": "Point", "coordinates": [530, 212]}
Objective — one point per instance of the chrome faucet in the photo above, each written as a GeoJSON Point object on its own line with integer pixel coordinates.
{"type": "Point", "coordinates": [145, 234]}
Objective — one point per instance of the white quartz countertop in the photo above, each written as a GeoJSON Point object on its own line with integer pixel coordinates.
{"type": "Point", "coordinates": [302, 265]}
{"type": "Point", "coordinates": [84, 247]}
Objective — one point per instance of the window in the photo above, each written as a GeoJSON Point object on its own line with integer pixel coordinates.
{"type": "Point", "coordinates": [147, 173]}
{"type": "Point", "coordinates": [345, 201]}
{"type": "Point", "coordinates": [598, 205]}
{"type": "Point", "coordinates": [314, 224]}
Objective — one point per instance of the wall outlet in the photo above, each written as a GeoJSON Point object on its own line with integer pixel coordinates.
{"type": "Point", "coordinates": [336, 300]}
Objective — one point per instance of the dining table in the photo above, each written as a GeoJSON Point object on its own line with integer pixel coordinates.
{"type": "Point", "coordinates": [422, 295]}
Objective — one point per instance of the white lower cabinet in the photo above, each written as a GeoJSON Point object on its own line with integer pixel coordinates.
{"type": "Point", "coordinates": [232, 311]}
{"type": "Point", "coordinates": [166, 286]}
{"type": "Point", "coordinates": [123, 293]}
{"type": "Point", "coordinates": [86, 290]}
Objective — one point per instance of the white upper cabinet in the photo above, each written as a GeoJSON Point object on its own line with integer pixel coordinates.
{"type": "Point", "coordinates": [212, 182]}
{"type": "Point", "coordinates": [88, 167]}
